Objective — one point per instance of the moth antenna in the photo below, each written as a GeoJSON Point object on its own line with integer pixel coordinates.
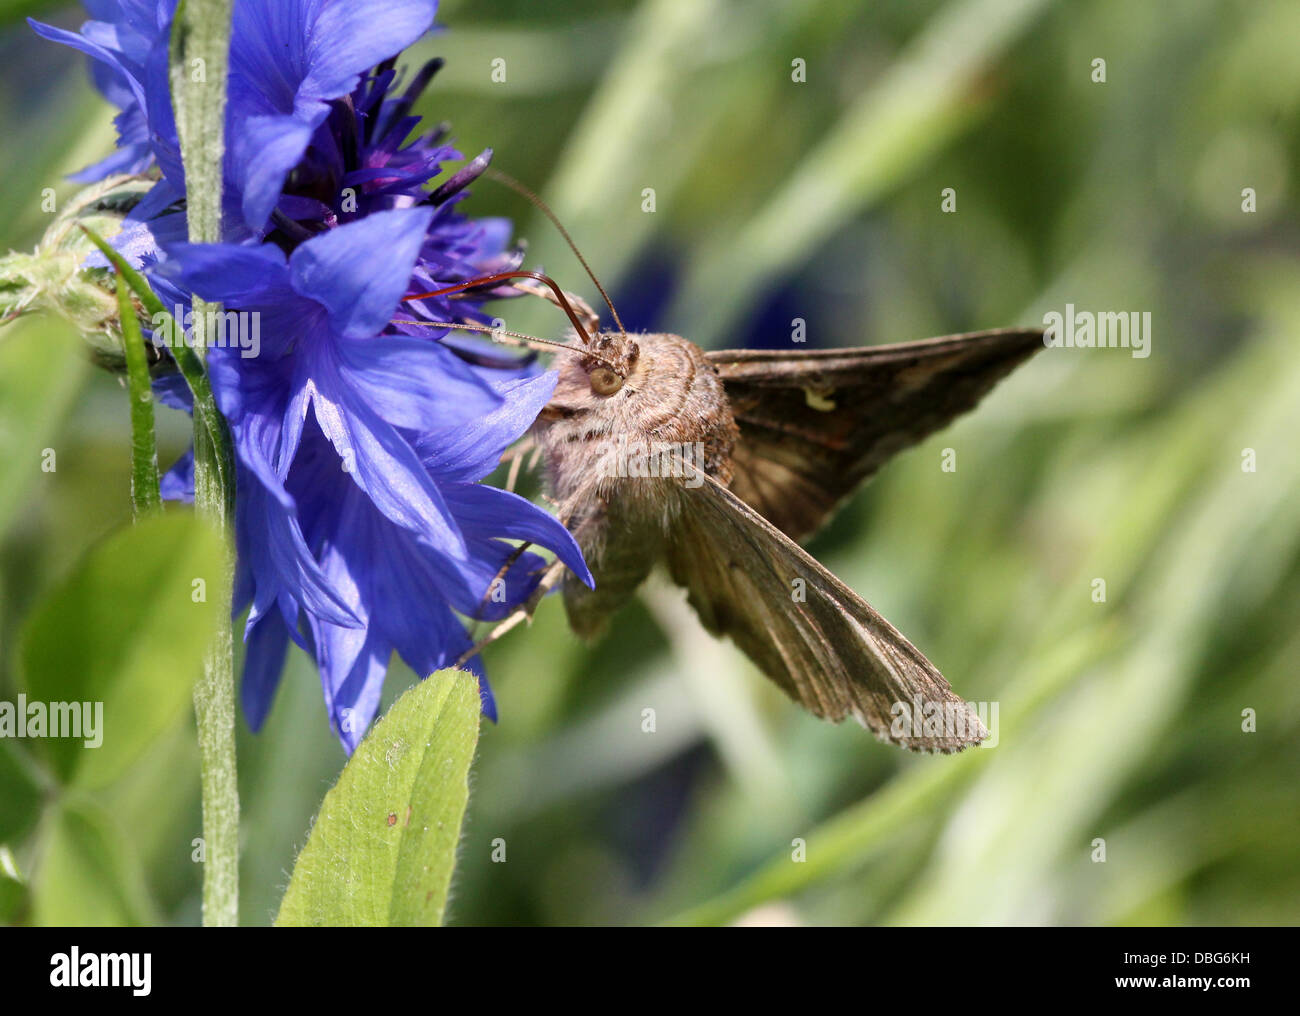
{"type": "Point", "coordinates": [544, 208]}
{"type": "Point", "coordinates": [501, 277]}
{"type": "Point", "coordinates": [530, 341]}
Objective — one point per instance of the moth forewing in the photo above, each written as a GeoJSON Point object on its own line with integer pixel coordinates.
{"type": "Point", "coordinates": [821, 643]}
{"type": "Point", "coordinates": [814, 424]}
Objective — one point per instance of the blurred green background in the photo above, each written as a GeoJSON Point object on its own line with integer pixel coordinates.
{"type": "Point", "coordinates": [1119, 721]}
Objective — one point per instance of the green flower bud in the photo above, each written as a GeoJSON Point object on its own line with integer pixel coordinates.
{"type": "Point", "coordinates": [52, 278]}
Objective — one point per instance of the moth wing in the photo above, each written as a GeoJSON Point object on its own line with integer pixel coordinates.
{"type": "Point", "coordinates": [815, 424]}
{"type": "Point", "coordinates": [826, 648]}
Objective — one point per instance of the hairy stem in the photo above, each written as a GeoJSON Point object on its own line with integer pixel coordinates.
{"type": "Point", "coordinates": [200, 52]}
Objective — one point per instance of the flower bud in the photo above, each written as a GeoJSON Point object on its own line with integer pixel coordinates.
{"type": "Point", "coordinates": [54, 279]}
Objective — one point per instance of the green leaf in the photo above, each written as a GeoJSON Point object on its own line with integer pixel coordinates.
{"type": "Point", "coordinates": [87, 875]}
{"type": "Point", "coordinates": [384, 845]}
{"type": "Point", "coordinates": [13, 890]}
{"type": "Point", "coordinates": [20, 795]}
{"type": "Point", "coordinates": [40, 376]}
{"type": "Point", "coordinates": [125, 631]}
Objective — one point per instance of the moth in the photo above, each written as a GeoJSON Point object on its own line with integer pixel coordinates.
{"type": "Point", "coordinates": [718, 464]}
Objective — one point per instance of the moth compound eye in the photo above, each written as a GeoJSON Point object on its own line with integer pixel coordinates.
{"type": "Point", "coordinates": [605, 382]}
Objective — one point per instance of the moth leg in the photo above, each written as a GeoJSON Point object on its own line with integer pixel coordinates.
{"type": "Point", "coordinates": [513, 476]}
{"type": "Point", "coordinates": [550, 578]}
{"type": "Point", "coordinates": [515, 457]}
{"type": "Point", "coordinates": [514, 557]}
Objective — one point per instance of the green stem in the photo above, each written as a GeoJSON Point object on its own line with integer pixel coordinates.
{"type": "Point", "coordinates": [146, 498]}
{"type": "Point", "coordinates": [214, 701]}
{"type": "Point", "coordinates": [200, 50]}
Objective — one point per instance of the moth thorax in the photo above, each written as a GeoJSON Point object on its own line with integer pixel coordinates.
{"type": "Point", "coordinates": [680, 400]}
{"type": "Point", "coordinates": [670, 415]}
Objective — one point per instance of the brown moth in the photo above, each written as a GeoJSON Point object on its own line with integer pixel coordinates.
{"type": "Point", "coordinates": [769, 443]}
{"type": "Point", "coordinates": [718, 463]}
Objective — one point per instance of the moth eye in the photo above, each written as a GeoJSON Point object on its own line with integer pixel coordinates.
{"type": "Point", "coordinates": [605, 382]}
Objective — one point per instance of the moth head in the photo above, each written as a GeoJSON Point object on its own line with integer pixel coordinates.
{"type": "Point", "coordinates": [609, 362]}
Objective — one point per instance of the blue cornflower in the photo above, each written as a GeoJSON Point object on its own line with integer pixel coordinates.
{"type": "Point", "coordinates": [359, 507]}
{"type": "Point", "coordinates": [361, 525]}
{"type": "Point", "coordinates": [290, 61]}
{"type": "Point", "coordinates": [127, 41]}
{"type": "Point", "coordinates": [343, 147]}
